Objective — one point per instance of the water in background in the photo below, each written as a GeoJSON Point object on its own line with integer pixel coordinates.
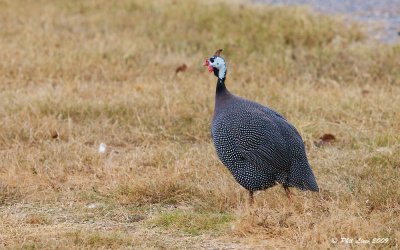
{"type": "Point", "coordinates": [382, 16]}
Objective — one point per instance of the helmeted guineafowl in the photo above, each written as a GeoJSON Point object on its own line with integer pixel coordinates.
{"type": "Point", "coordinates": [257, 144]}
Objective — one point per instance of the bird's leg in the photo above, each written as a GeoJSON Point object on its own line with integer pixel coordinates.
{"type": "Point", "coordinates": [251, 197]}
{"type": "Point", "coordinates": [288, 193]}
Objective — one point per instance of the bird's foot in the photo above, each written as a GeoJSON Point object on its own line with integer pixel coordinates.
{"type": "Point", "coordinates": [288, 193]}
{"type": "Point", "coordinates": [251, 198]}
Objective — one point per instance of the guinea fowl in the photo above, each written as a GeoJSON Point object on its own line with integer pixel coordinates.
{"type": "Point", "coordinates": [258, 145]}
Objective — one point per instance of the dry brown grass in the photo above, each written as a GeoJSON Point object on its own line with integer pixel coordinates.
{"type": "Point", "coordinates": [74, 74]}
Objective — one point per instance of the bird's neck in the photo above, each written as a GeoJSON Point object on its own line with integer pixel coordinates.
{"type": "Point", "coordinates": [222, 96]}
{"type": "Point", "coordinates": [221, 88]}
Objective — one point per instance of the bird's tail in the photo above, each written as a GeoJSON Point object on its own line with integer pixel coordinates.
{"type": "Point", "coordinates": [302, 177]}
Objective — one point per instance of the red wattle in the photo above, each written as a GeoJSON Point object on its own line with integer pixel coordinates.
{"type": "Point", "coordinates": [207, 63]}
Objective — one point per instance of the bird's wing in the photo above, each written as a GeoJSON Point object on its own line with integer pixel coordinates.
{"type": "Point", "coordinates": [260, 142]}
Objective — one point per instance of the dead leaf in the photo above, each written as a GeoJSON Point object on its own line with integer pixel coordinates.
{"type": "Point", "coordinates": [181, 68]}
{"type": "Point", "coordinates": [365, 92]}
{"type": "Point", "coordinates": [54, 134]}
{"type": "Point", "coordinates": [325, 139]}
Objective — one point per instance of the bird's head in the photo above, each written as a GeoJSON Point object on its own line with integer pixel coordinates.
{"type": "Point", "coordinates": [216, 64]}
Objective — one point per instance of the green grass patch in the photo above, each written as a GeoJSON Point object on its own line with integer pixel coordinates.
{"type": "Point", "coordinates": [100, 239]}
{"type": "Point", "coordinates": [194, 223]}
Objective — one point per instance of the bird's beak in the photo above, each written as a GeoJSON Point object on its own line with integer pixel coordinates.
{"type": "Point", "coordinates": [207, 64]}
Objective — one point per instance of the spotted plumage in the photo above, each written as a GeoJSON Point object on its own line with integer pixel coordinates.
{"type": "Point", "coordinates": [258, 145]}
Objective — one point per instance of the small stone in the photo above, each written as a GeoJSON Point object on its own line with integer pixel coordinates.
{"type": "Point", "coordinates": [92, 205]}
